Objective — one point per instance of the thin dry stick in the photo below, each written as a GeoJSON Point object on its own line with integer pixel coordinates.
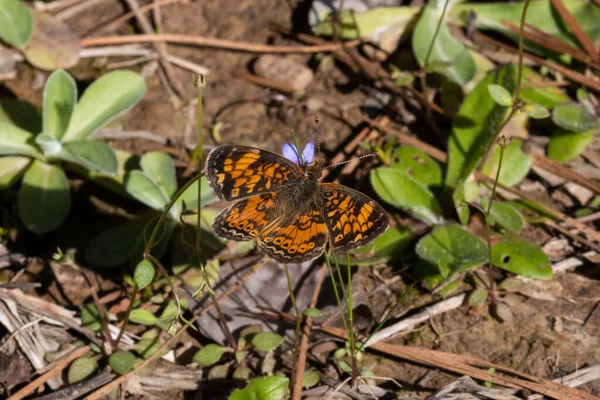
{"type": "Point", "coordinates": [59, 365]}
{"type": "Point", "coordinates": [574, 25]}
{"type": "Point", "coordinates": [215, 43]}
{"type": "Point", "coordinates": [301, 363]}
{"type": "Point", "coordinates": [110, 386]}
{"type": "Point", "coordinates": [564, 172]}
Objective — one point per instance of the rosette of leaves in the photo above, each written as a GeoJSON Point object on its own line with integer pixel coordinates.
{"type": "Point", "coordinates": [36, 149]}
{"type": "Point", "coordinates": [153, 183]}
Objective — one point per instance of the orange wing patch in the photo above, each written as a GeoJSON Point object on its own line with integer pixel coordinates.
{"type": "Point", "coordinates": [301, 240]}
{"type": "Point", "coordinates": [237, 172]}
{"type": "Point", "coordinates": [244, 219]}
{"type": "Point", "coordinates": [353, 218]}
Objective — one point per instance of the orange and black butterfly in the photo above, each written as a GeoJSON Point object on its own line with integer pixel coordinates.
{"type": "Point", "coordinates": [280, 202]}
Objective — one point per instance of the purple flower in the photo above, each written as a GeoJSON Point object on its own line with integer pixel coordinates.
{"type": "Point", "coordinates": [291, 153]}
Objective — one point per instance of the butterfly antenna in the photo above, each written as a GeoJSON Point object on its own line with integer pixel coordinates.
{"type": "Point", "coordinates": [353, 159]}
{"type": "Point", "coordinates": [317, 134]}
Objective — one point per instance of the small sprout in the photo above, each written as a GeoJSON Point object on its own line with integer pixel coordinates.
{"type": "Point", "coordinates": [312, 312]}
{"type": "Point", "coordinates": [210, 354]}
{"type": "Point", "coordinates": [266, 341]}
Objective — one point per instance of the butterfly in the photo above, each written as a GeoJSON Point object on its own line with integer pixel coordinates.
{"type": "Point", "coordinates": [279, 201]}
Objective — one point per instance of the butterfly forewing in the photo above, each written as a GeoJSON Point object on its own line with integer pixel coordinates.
{"type": "Point", "coordinates": [237, 172]}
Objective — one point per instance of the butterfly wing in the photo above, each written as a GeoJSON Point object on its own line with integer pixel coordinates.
{"type": "Point", "coordinates": [294, 239]}
{"type": "Point", "coordinates": [244, 219]}
{"type": "Point", "coordinates": [237, 172]}
{"type": "Point", "coordinates": [353, 218]}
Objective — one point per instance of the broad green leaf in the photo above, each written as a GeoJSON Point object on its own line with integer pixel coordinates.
{"type": "Point", "coordinates": [22, 114]}
{"type": "Point", "coordinates": [500, 95]}
{"type": "Point", "coordinates": [190, 196]}
{"type": "Point", "coordinates": [89, 154]}
{"type": "Point", "coordinates": [574, 117]}
{"type": "Point", "coordinates": [310, 378]}
{"type": "Point", "coordinates": [452, 249]}
{"type": "Point", "coordinates": [267, 388]}
{"type": "Point", "coordinates": [356, 24]}
{"type": "Point", "coordinates": [90, 317]}
{"type": "Point", "coordinates": [536, 111]}
{"type": "Point", "coordinates": [391, 244]}
{"type": "Point", "coordinates": [160, 168]}
{"type": "Point", "coordinates": [548, 97]}
{"type": "Point", "coordinates": [16, 22]}
{"type": "Point", "coordinates": [113, 182]}
{"type": "Point", "coordinates": [11, 169]}
{"type": "Point", "coordinates": [145, 190]}
{"type": "Point", "coordinates": [540, 14]}
{"type": "Point", "coordinates": [60, 96]}
{"type": "Point", "coordinates": [144, 273]}
{"type": "Point", "coordinates": [108, 97]}
{"type": "Point", "coordinates": [515, 164]}
{"type": "Point", "coordinates": [52, 44]}
{"type": "Point", "coordinates": [81, 368]}
{"type": "Point", "coordinates": [405, 192]}
{"type": "Point", "coordinates": [419, 165]}
{"type": "Point", "coordinates": [312, 312]}
{"type": "Point", "coordinates": [519, 257]}
{"type": "Point", "coordinates": [507, 216]}
{"type": "Point", "coordinates": [142, 317]}
{"type": "Point", "coordinates": [44, 199]}
{"type": "Point", "coordinates": [478, 296]}
{"type": "Point", "coordinates": [147, 347]}
{"type": "Point", "coordinates": [446, 49]}
{"type": "Point", "coordinates": [16, 141]}
{"type": "Point", "coordinates": [566, 145]}
{"type": "Point", "coordinates": [476, 125]}
{"type": "Point", "coordinates": [121, 362]}
{"type": "Point", "coordinates": [266, 341]}
{"type": "Point", "coordinates": [210, 354]}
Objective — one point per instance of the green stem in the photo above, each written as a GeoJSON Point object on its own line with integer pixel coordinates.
{"type": "Point", "coordinates": [335, 291]}
{"type": "Point", "coordinates": [351, 333]}
{"type": "Point", "coordinates": [521, 39]}
{"type": "Point", "coordinates": [298, 319]}
{"type": "Point", "coordinates": [437, 31]}
{"type": "Point", "coordinates": [200, 83]}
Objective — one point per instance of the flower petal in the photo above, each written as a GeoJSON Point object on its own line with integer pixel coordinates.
{"type": "Point", "coordinates": [308, 153]}
{"type": "Point", "coordinates": [290, 152]}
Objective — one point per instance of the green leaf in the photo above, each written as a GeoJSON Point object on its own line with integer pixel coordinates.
{"type": "Point", "coordinates": [90, 317]}
{"type": "Point", "coordinates": [312, 312]}
{"type": "Point", "coordinates": [52, 44]}
{"type": "Point", "coordinates": [452, 249]}
{"type": "Point", "coordinates": [266, 341]}
{"type": "Point", "coordinates": [81, 368]}
{"type": "Point", "coordinates": [104, 100]}
{"type": "Point", "coordinates": [190, 196]}
{"type": "Point", "coordinates": [144, 273]}
{"type": "Point", "coordinates": [500, 95]}
{"type": "Point", "coordinates": [478, 296]}
{"type": "Point", "coordinates": [145, 190]}
{"type": "Point", "coordinates": [89, 154]}
{"type": "Point", "coordinates": [121, 362]}
{"type": "Point", "coordinates": [515, 164]}
{"type": "Point", "coordinates": [49, 144]}
{"type": "Point", "coordinates": [391, 244]}
{"type": "Point", "coordinates": [16, 22]}
{"type": "Point", "coordinates": [419, 165]}
{"type": "Point", "coordinates": [44, 199]}
{"type": "Point", "coordinates": [536, 111]}
{"type": "Point", "coordinates": [566, 145]}
{"type": "Point", "coordinates": [507, 216]}
{"type": "Point", "coordinates": [547, 97]}
{"type": "Point", "coordinates": [142, 317]}
{"type": "Point", "coordinates": [160, 168]}
{"type": "Point", "coordinates": [540, 14]}
{"type": "Point", "coordinates": [267, 388]}
{"type": "Point", "coordinates": [11, 169]}
{"type": "Point", "coordinates": [16, 141]}
{"type": "Point", "coordinates": [60, 96]}
{"type": "Point", "coordinates": [354, 25]}
{"type": "Point", "coordinates": [521, 258]}
{"type": "Point", "coordinates": [210, 354]}
{"type": "Point", "coordinates": [574, 117]}
{"type": "Point", "coordinates": [414, 197]}
{"type": "Point", "coordinates": [147, 347]}
{"type": "Point", "coordinates": [446, 49]}
{"type": "Point", "coordinates": [475, 127]}
{"type": "Point", "coordinates": [22, 114]}
{"type": "Point", "coordinates": [310, 378]}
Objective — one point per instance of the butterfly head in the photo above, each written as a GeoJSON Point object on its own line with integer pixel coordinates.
{"type": "Point", "coordinates": [311, 165]}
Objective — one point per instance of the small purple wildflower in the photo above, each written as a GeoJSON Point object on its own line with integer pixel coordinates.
{"type": "Point", "coordinates": [291, 153]}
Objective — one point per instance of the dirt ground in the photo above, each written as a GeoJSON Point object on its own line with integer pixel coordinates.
{"type": "Point", "coordinates": [546, 338]}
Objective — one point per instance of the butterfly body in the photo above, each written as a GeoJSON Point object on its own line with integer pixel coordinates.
{"type": "Point", "coordinates": [282, 204]}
